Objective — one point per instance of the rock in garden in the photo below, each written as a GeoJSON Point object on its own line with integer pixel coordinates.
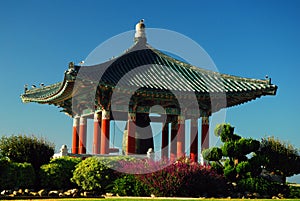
{"type": "Point", "coordinates": [34, 193]}
{"type": "Point", "coordinates": [71, 192]}
{"type": "Point", "coordinates": [42, 193]}
{"type": "Point", "coordinates": [256, 195]}
{"type": "Point", "coordinates": [280, 196]}
{"type": "Point", "coordinates": [6, 192]}
{"type": "Point", "coordinates": [15, 193]}
{"type": "Point", "coordinates": [20, 191]}
{"type": "Point", "coordinates": [53, 193]}
{"type": "Point", "coordinates": [88, 194]}
{"type": "Point", "coordinates": [26, 191]}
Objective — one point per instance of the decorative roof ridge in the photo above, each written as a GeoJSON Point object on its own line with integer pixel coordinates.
{"type": "Point", "coordinates": [253, 80]}
{"type": "Point", "coordinates": [43, 89]}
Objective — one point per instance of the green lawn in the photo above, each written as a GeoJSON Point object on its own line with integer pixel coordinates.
{"type": "Point", "coordinates": [155, 199]}
{"type": "Point", "coordinates": [183, 199]}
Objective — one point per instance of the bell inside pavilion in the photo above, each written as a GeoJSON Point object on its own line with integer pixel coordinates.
{"type": "Point", "coordinates": [139, 82]}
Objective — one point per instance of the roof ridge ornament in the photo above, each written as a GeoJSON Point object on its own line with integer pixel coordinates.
{"type": "Point", "coordinates": [140, 34]}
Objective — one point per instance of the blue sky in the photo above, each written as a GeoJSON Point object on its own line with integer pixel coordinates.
{"type": "Point", "coordinates": [246, 38]}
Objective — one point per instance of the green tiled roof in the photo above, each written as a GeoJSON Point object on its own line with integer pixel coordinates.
{"type": "Point", "coordinates": [153, 72]}
{"type": "Point", "coordinates": [153, 69]}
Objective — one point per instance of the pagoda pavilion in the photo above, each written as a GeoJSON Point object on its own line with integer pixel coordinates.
{"type": "Point", "coordinates": [130, 87]}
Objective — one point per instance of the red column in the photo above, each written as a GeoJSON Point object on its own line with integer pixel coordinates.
{"type": "Point", "coordinates": [194, 140]}
{"type": "Point", "coordinates": [165, 141]}
{"type": "Point", "coordinates": [82, 135]}
{"type": "Point", "coordinates": [174, 130]}
{"type": "Point", "coordinates": [105, 132]}
{"type": "Point", "coordinates": [205, 133]}
{"type": "Point", "coordinates": [75, 135]}
{"type": "Point", "coordinates": [97, 137]}
{"type": "Point", "coordinates": [131, 128]}
{"type": "Point", "coordinates": [181, 137]}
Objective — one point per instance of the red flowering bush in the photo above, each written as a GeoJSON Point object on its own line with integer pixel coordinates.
{"type": "Point", "coordinates": [181, 178]}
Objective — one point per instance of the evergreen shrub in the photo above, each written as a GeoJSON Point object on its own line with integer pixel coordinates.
{"type": "Point", "coordinates": [261, 186]}
{"type": "Point", "coordinates": [16, 175]}
{"type": "Point", "coordinates": [95, 174]}
{"type": "Point", "coordinates": [243, 168]}
{"type": "Point", "coordinates": [129, 185]}
{"type": "Point", "coordinates": [58, 173]}
{"type": "Point", "coordinates": [230, 172]}
{"type": "Point", "coordinates": [212, 154]}
{"type": "Point", "coordinates": [216, 166]}
{"type": "Point", "coordinates": [294, 192]}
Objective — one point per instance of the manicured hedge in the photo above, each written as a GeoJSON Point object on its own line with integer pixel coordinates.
{"type": "Point", "coordinates": [129, 185]}
{"type": "Point", "coordinates": [95, 174]}
{"type": "Point", "coordinates": [58, 173]}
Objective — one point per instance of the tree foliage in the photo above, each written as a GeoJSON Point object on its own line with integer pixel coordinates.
{"type": "Point", "coordinates": [279, 157]}
{"type": "Point", "coordinates": [22, 148]}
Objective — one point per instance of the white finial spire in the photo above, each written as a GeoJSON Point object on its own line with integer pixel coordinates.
{"type": "Point", "coordinates": [140, 30]}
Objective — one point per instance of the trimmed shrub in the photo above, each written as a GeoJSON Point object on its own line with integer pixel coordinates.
{"type": "Point", "coordinates": [218, 167]}
{"type": "Point", "coordinates": [21, 148]}
{"type": "Point", "coordinates": [230, 172]}
{"type": "Point", "coordinates": [243, 169]}
{"type": "Point", "coordinates": [212, 154]}
{"type": "Point", "coordinates": [228, 149]}
{"type": "Point", "coordinates": [225, 132]}
{"type": "Point", "coordinates": [16, 175]}
{"type": "Point", "coordinates": [95, 174]}
{"type": "Point", "coordinates": [129, 185]}
{"type": "Point", "coordinates": [240, 148]}
{"type": "Point", "coordinates": [58, 173]}
{"type": "Point", "coordinates": [245, 146]}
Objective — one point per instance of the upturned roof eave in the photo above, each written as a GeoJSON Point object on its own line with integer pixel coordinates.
{"type": "Point", "coordinates": [50, 95]}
